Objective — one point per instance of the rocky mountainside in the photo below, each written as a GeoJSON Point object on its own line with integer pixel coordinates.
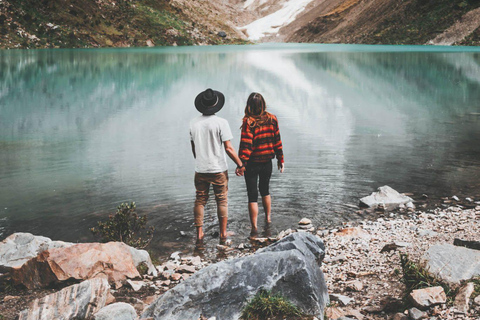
{"type": "Point", "coordinates": [114, 23]}
{"type": "Point", "coordinates": [123, 23]}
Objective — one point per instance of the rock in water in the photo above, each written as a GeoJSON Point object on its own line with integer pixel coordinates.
{"type": "Point", "coordinates": [451, 263]}
{"type": "Point", "coordinates": [117, 311]}
{"type": "Point", "coordinates": [290, 267]}
{"type": "Point", "coordinates": [113, 260]}
{"type": "Point", "coordinates": [79, 301]}
{"type": "Point", "coordinates": [20, 247]}
{"type": "Point", "coordinates": [385, 195]}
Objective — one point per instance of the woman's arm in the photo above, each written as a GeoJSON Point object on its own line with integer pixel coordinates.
{"type": "Point", "coordinates": [278, 147]}
{"type": "Point", "coordinates": [246, 142]}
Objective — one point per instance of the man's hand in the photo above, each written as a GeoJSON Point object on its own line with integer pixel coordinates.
{"type": "Point", "coordinates": [281, 166]}
{"type": "Point", "coordinates": [240, 171]}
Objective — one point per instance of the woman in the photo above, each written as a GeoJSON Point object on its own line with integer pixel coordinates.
{"type": "Point", "coordinates": [260, 143]}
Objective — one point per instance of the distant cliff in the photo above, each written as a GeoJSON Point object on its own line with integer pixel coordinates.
{"type": "Point", "coordinates": [124, 23]}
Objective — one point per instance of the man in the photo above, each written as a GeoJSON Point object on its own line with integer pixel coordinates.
{"type": "Point", "coordinates": [210, 135]}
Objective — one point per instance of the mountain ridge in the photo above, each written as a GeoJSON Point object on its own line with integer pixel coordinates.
{"type": "Point", "coordinates": [125, 23]}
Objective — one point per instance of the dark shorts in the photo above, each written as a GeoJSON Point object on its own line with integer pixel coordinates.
{"type": "Point", "coordinates": [258, 173]}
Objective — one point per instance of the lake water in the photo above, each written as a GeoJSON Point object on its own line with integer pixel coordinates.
{"type": "Point", "coordinates": [83, 130]}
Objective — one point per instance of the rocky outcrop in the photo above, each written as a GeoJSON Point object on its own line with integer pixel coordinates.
{"type": "Point", "coordinates": [451, 263]}
{"type": "Point", "coordinates": [460, 30]}
{"type": "Point", "coordinates": [113, 261]}
{"type": "Point", "coordinates": [290, 267]}
{"type": "Point", "coordinates": [117, 311]}
{"type": "Point", "coordinates": [385, 196]}
{"type": "Point", "coordinates": [20, 247]}
{"type": "Point", "coordinates": [79, 301]}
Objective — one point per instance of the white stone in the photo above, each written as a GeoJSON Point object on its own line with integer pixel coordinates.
{"type": "Point", "coordinates": [20, 247]}
{"type": "Point", "coordinates": [385, 195]}
{"type": "Point", "coordinates": [136, 285]}
{"type": "Point", "coordinates": [117, 311]}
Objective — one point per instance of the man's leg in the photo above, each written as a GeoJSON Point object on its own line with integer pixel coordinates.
{"type": "Point", "coordinates": [220, 188]}
{"type": "Point", "coordinates": [202, 188]}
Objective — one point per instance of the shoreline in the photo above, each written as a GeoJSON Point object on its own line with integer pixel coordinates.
{"type": "Point", "coordinates": [354, 266]}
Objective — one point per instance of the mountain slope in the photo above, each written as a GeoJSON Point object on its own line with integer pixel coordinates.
{"type": "Point", "coordinates": [104, 23]}
{"type": "Point", "coordinates": [377, 21]}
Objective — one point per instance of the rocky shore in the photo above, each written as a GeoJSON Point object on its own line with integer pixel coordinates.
{"type": "Point", "coordinates": [362, 265]}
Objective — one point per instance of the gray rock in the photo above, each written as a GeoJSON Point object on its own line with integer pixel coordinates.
{"type": "Point", "coordinates": [455, 198]}
{"type": "Point", "coordinates": [426, 233]}
{"type": "Point", "coordinates": [451, 263]}
{"type": "Point", "coordinates": [20, 247]}
{"type": "Point", "coordinates": [462, 299]}
{"type": "Point", "coordinates": [80, 301]}
{"type": "Point", "coordinates": [290, 267]}
{"type": "Point", "coordinates": [416, 314]}
{"type": "Point", "coordinates": [400, 316]}
{"type": "Point", "coordinates": [344, 300]}
{"type": "Point", "coordinates": [476, 301]}
{"type": "Point", "coordinates": [222, 34]}
{"type": "Point", "coordinates": [386, 196]}
{"type": "Point", "coordinates": [428, 297]}
{"type": "Point", "coordinates": [142, 257]}
{"type": "Point", "coordinates": [116, 311]}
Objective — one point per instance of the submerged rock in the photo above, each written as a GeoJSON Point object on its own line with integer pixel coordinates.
{"type": "Point", "coordinates": [20, 247]}
{"type": "Point", "coordinates": [79, 301]}
{"type": "Point", "coordinates": [385, 196]}
{"type": "Point", "coordinates": [451, 263]}
{"type": "Point", "coordinates": [113, 260]}
{"type": "Point", "coordinates": [290, 267]}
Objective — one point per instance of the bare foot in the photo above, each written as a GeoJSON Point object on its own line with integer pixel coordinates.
{"type": "Point", "coordinates": [253, 234]}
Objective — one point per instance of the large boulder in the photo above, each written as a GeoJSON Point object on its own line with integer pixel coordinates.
{"type": "Point", "coordinates": [113, 261]}
{"type": "Point", "coordinates": [20, 247]}
{"type": "Point", "coordinates": [451, 263]}
{"type": "Point", "coordinates": [290, 267]}
{"type": "Point", "coordinates": [80, 301]}
{"type": "Point", "coordinates": [385, 196]}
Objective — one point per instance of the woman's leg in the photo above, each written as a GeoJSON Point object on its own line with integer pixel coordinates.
{"type": "Point", "coordinates": [251, 177]}
{"type": "Point", "coordinates": [265, 175]}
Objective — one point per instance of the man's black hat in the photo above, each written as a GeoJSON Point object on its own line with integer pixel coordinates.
{"type": "Point", "coordinates": [209, 101]}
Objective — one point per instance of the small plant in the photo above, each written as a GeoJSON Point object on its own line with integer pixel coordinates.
{"type": "Point", "coordinates": [125, 226]}
{"type": "Point", "coordinates": [415, 277]}
{"type": "Point", "coordinates": [476, 290]}
{"type": "Point", "coordinates": [265, 305]}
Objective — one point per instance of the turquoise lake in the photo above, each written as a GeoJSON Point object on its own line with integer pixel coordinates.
{"type": "Point", "coordinates": [82, 131]}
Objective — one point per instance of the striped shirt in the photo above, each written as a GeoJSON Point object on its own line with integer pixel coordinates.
{"type": "Point", "coordinates": [261, 143]}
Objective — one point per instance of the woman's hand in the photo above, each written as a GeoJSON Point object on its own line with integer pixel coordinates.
{"type": "Point", "coordinates": [281, 166]}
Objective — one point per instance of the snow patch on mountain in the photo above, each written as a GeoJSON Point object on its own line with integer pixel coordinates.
{"type": "Point", "coordinates": [271, 23]}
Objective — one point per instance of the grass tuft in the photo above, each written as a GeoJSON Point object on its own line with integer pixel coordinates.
{"type": "Point", "coordinates": [416, 277]}
{"type": "Point", "coordinates": [266, 305]}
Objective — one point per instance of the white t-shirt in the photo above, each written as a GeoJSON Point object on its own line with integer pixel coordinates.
{"type": "Point", "coordinates": [208, 133]}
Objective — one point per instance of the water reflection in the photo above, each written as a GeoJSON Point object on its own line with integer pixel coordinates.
{"type": "Point", "coordinates": [83, 130]}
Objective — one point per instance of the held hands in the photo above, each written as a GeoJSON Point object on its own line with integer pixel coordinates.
{"type": "Point", "coordinates": [240, 171]}
{"type": "Point", "coordinates": [281, 166]}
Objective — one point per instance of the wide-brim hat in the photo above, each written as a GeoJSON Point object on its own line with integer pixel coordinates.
{"type": "Point", "coordinates": [209, 101]}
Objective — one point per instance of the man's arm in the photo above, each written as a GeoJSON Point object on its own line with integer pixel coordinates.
{"type": "Point", "coordinates": [193, 149]}
{"type": "Point", "coordinates": [230, 150]}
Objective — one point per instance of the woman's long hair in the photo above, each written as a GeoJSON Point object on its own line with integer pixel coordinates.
{"type": "Point", "coordinates": [255, 111]}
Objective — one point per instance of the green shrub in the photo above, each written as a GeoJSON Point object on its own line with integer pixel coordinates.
{"type": "Point", "coordinates": [265, 305]}
{"type": "Point", "coordinates": [125, 226]}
